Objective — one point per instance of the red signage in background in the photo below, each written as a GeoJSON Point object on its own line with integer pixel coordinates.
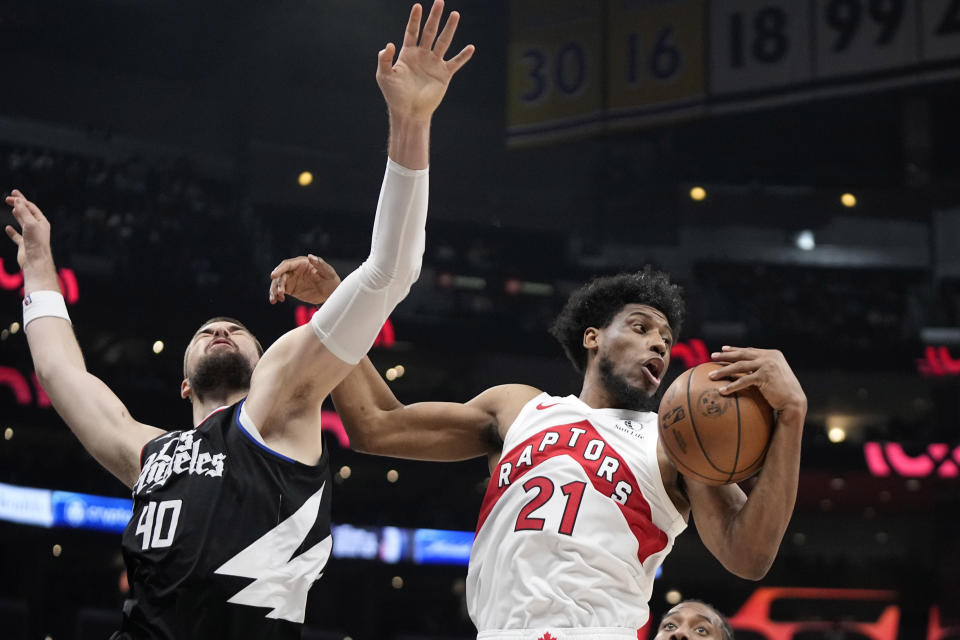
{"type": "Point", "coordinates": [690, 353]}
{"type": "Point", "coordinates": [302, 314]}
{"type": "Point", "coordinates": [936, 630]}
{"type": "Point", "coordinates": [755, 614]}
{"type": "Point", "coordinates": [868, 614]}
{"type": "Point", "coordinates": [330, 421]}
{"type": "Point", "coordinates": [67, 278]}
{"type": "Point", "coordinates": [884, 459]}
{"type": "Point", "coordinates": [10, 281]}
{"type": "Point", "coordinates": [68, 285]}
{"type": "Point", "coordinates": [386, 338]}
{"type": "Point", "coordinates": [17, 383]}
{"type": "Point", "coordinates": [937, 363]}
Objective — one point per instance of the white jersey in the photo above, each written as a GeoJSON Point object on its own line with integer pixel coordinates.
{"type": "Point", "coordinates": [573, 526]}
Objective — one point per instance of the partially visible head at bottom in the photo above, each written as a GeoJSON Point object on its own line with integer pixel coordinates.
{"type": "Point", "coordinates": [694, 619]}
{"type": "Point", "coordinates": [219, 359]}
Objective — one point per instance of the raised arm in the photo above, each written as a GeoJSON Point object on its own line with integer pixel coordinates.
{"type": "Point", "coordinates": [302, 367]}
{"type": "Point", "coordinates": [379, 423]}
{"type": "Point", "coordinates": [414, 86]}
{"type": "Point", "coordinates": [91, 410]}
{"type": "Point", "coordinates": [745, 533]}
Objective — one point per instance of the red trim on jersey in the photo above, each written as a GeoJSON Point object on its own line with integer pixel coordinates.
{"type": "Point", "coordinates": [644, 632]}
{"type": "Point", "coordinates": [636, 510]}
{"type": "Point", "coordinates": [217, 410]}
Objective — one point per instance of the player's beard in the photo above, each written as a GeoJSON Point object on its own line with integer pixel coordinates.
{"type": "Point", "coordinates": [623, 394]}
{"type": "Point", "coordinates": [221, 373]}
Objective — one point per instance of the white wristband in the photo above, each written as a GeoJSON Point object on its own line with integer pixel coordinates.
{"type": "Point", "coordinates": [44, 303]}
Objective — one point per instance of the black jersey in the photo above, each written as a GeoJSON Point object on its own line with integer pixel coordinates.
{"type": "Point", "coordinates": [227, 536]}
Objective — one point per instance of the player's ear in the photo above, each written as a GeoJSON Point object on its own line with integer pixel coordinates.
{"type": "Point", "coordinates": [591, 338]}
{"type": "Point", "coordinates": [186, 391]}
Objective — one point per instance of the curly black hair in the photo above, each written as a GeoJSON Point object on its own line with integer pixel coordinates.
{"type": "Point", "coordinates": [596, 303]}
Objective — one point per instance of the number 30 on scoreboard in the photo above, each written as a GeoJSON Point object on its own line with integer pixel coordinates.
{"type": "Point", "coordinates": [554, 59]}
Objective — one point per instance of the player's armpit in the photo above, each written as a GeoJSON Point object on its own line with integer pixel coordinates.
{"type": "Point", "coordinates": [289, 385]}
{"type": "Point", "coordinates": [505, 402]}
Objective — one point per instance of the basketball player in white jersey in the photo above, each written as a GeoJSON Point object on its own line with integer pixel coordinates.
{"type": "Point", "coordinates": [583, 504]}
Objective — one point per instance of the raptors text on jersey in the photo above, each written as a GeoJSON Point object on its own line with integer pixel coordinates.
{"type": "Point", "coordinates": [574, 524]}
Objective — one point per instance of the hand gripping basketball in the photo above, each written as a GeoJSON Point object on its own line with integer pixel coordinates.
{"type": "Point", "coordinates": [713, 438]}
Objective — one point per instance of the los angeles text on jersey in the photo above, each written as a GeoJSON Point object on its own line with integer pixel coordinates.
{"type": "Point", "coordinates": [183, 452]}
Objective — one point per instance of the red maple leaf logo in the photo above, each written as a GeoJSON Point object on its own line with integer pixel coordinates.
{"type": "Point", "coordinates": [546, 636]}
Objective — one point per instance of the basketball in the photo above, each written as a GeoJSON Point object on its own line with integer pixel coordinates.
{"type": "Point", "coordinates": [711, 438]}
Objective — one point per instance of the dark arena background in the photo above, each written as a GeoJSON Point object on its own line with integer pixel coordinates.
{"type": "Point", "coordinates": [794, 163]}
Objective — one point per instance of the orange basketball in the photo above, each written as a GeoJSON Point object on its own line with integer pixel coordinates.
{"type": "Point", "coordinates": [714, 439]}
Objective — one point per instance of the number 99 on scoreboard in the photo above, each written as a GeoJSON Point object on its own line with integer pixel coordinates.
{"type": "Point", "coordinates": [760, 45]}
{"type": "Point", "coordinates": [579, 65]}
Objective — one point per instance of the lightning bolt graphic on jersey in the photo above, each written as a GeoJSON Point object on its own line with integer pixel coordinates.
{"type": "Point", "coordinates": [281, 583]}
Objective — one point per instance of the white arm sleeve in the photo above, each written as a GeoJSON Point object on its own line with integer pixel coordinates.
{"type": "Point", "coordinates": [349, 321]}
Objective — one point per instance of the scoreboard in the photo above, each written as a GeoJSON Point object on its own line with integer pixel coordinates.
{"type": "Point", "coordinates": [580, 66]}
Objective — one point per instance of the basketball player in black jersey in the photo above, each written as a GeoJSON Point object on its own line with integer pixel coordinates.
{"type": "Point", "coordinates": [231, 522]}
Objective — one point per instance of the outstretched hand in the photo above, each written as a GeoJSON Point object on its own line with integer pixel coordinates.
{"type": "Point", "coordinates": [307, 278]}
{"type": "Point", "coordinates": [765, 369]}
{"type": "Point", "coordinates": [414, 85]}
{"type": "Point", "coordinates": [35, 236]}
